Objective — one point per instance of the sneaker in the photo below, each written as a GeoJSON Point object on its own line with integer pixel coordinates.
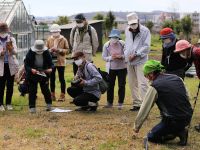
{"type": "Point", "coordinates": [85, 108]}
{"type": "Point", "coordinates": [135, 108]}
{"type": "Point", "coordinates": [62, 97]}
{"type": "Point", "coordinates": [120, 106]}
{"type": "Point", "coordinates": [2, 108]}
{"type": "Point", "coordinates": [32, 110]}
{"type": "Point", "coordinates": [108, 106]}
{"type": "Point", "coordinates": [53, 97]}
{"type": "Point", "coordinates": [9, 107]}
{"type": "Point", "coordinates": [48, 108]}
{"type": "Point", "coordinates": [93, 106]}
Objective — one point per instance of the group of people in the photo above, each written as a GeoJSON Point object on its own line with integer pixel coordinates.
{"type": "Point", "coordinates": [123, 58]}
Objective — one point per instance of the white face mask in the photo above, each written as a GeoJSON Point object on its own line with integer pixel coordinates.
{"type": "Point", "coordinates": [167, 41]}
{"type": "Point", "coordinates": [78, 62]}
{"type": "Point", "coordinates": [134, 26]}
{"type": "Point", "coordinates": [80, 25]}
{"type": "Point", "coordinates": [3, 35]}
{"type": "Point", "coordinates": [55, 34]}
{"type": "Point", "coordinates": [185, 54]}
{"type": "Point", "coordinates": [114, 40]}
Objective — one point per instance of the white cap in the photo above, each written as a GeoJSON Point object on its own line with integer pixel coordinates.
{"type": "Point", "coordinates": [55, 28]}
{"type": "Point", "coordinates": [132, 18]}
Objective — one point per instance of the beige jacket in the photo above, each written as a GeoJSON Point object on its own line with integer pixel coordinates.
{"type": "Point", "coordinates": [62, 45]}
{"type": "Point", "coordinates": [85, 45]}
{"type": "Point", "coordinates": [12, 60]}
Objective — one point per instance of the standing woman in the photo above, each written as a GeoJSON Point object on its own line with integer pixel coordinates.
{"type": "Point", "coordinates": [113, 54]}
{"type": "Point", "coordinates": [8, 65]}
{"type": "Point", "coordinates": [58, 47]}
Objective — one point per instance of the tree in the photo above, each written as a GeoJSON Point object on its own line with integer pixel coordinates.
{"type": "Point", "coordinates": [149, 25]}
{"type": "Point", "coordinates": [178, 26]}
{"type": "Point", "coordinates": [98, 16]}
{"type": "Point", "coordinates": [62, 20]}
{"type": "Point", "coordinates": [168, 24]}
{"type": "Point", "coordinates": [43, 25]}
{"type": "Point", "coordinates": [187, 26]}
{"type": "Point", "coordinates": [109, 21]}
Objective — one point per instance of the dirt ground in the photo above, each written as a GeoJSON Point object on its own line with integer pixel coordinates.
{"type": "Point", "coordinates": [107, 129]}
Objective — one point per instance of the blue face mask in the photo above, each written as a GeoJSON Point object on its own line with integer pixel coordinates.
{"type": "Point", "coordinates": [168, 44]}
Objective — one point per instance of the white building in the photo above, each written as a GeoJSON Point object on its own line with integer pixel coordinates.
{"type": "Point", "coordinates": [195, 16]}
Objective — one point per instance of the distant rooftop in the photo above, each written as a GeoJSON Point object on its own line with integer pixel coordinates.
{"type": "Point", "coordinates": [71, 25]}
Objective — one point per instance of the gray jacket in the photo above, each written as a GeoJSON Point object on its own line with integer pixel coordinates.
{"type": "Point", "coordinates": [84, 46]}
{"type": "Point", "coordinates": [92, 80]}
{"type": "Point", "coordinates": [140, 47]}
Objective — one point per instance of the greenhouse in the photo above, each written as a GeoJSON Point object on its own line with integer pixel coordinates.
{"type": "Point", "coordinates": [14, 13]}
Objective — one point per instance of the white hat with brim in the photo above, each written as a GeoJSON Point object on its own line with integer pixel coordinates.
{"type": "Point", "coordinates": [55, 28]}
{"type": "Point", "coordinates": [39, 47]}
{"type": "Point", "coordinates": [132, 18]}
{"type": "Point", "coordinates": [198, 41]}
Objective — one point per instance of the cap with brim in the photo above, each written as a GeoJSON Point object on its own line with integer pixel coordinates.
{"type": "Point", "coordinates": [79, 17]}
{"type": "Point", "coordinates": [4, 28]}
{"type": "Point", "coordinates": [132, 18]}
{"type": "Point", "coordinates": [39, 46]}
{"type": "Point", "coordinates": [114, 33]}
{"type": "Point", "coordinates": [151, 66]}
{"type": "Point", "coordinates": [182, 45]}
{"type": "Point", "coordinates": [77, 54]}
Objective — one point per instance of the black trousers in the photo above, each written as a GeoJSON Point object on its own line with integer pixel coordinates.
{"type": "Point", "coordinates": [81, 98]}
{"type": "Point", "coordinates": [44, 85]}
{"type": "Point", "coordinates": [75, 68]}
{"type": "Point", "coordinates": [8, 81]}
{"type": "Point", "coordinates": [166, 127]}
{"type": "Point", "coordinates": [61, 72]}
{"type": "Point", "coordinates": [121, 75]}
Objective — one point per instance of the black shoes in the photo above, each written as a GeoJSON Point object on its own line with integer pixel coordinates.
{"type": "Point", "coordinates": [82, 108]}
{"type": "Point", "coordinates": [87, 108]}
{"type": "Point", "coordinates": [197, 128]}
{"type": "Point", "coordinates": [183, 135]}
{"type": "Point", "coordinates": [135, 108]}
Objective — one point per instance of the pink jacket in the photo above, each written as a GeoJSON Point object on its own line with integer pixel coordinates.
{"type": "Point", "coordinates": [12, 60]}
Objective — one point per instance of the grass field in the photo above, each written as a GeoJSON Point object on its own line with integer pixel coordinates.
{"type": "Point", "coordinates": [107, 129]}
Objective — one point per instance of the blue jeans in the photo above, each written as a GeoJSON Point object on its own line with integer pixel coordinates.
{"type": "Point", "coordinates": [166, 128]}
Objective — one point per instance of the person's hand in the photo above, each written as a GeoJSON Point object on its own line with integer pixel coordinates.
{"type": "Point", "coordinates": [48, 71]}
{"type": "Point", "coordinates": [34, 71]}
{"type": "Point", "coordinates": [9, 46]}
{"type": "Point", "coordinates": [54, 49]}
{"type": "Point", "coordinates": [118, 56]}
{"type": "Point", "coordinates": [131, 57]}
{"type": "Point", "coordinates": [114, 57]}
{"type": "Point", "coordinates": [82, 83]}
{"type": "Point", "coordinates": [135, 133]}
{"type": "Point", "coordinates": [3, 52]}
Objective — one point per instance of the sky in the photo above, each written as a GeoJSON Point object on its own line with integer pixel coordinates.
{"type": "Point", "coordinates": [70, 7]}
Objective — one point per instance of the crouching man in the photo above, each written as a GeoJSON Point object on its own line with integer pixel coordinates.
{"type": "Point", "coordinates": [170, 95]}
{"type": "Point", "coordinates": [38, 66]}
{"type": "Point", "coordinates": [85, 86]}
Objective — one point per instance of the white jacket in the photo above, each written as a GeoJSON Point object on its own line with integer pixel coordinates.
{"type": "Point", "coordinates": [140, 47]}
